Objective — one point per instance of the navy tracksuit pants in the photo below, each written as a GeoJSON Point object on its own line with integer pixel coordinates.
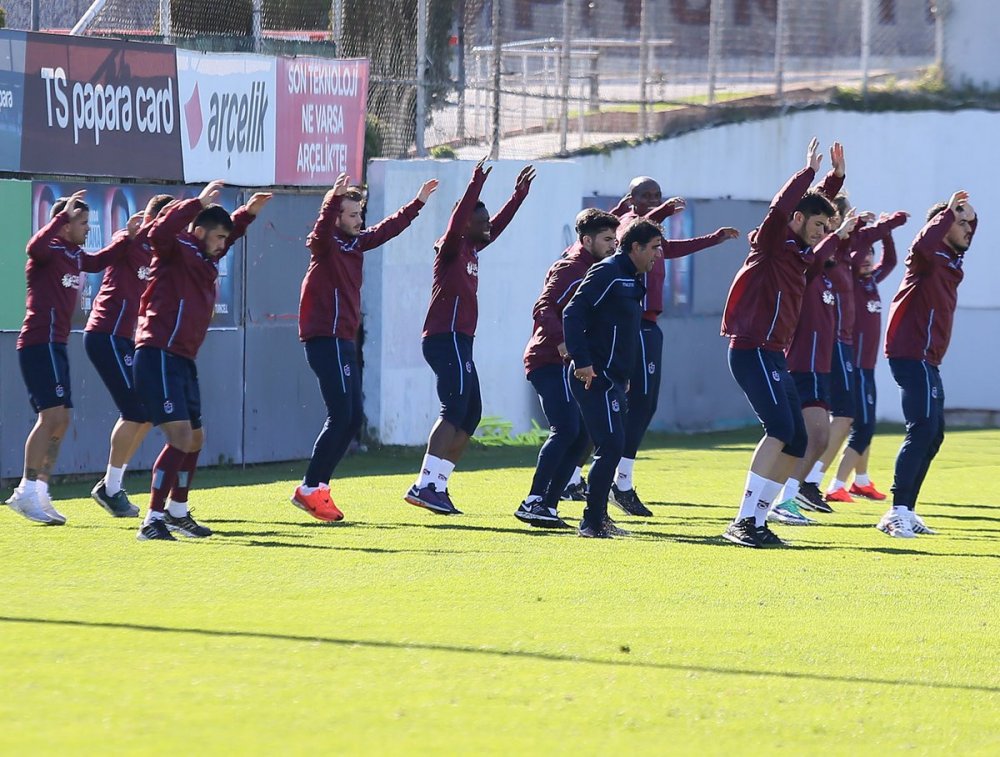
{"type": "Point", "coordinates": [567, 436]}
{"type": "Point", "coordinates": [923, 408]}
{"type": "Point", "coordinates": [604, 408]}
{"type": "Point", "coordinates": [644, 387]}
{"type": "Point", "coordinates": [335, 363]}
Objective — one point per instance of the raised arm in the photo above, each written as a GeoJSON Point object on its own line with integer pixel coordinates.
{"type": "Point", "coordinates": [38, 248]}
{"type": "Point", "coordinates": [505, 215]}
{"type": "Point", "coordinates": [930, 238]}
{"type": "Point", "coordinates": [171, 222]}
{"type": "Point", "coordinates": [451, 242]}
{"type": "Point", "coordinates": [245, 216]}
{"type": "Point", "coordinates": [833, 182]}
{"type": "Point", "coordinates": [679, 248]}
{"type": "Point", "coordinates": [869, 234]}
{"type": "Point", "coordinates": [888, 261]}
{"type": "Point", "coordinates": [774, 229]}
{"type": "Point", "coordinates": [329, 211]}
{"type": "Point", "coordinates": [119, 247]}
{"type": "Point", "coordinates": [662, 212]}
{"type": "Point", "coordinates": [395, 224]}
{"type": "Point", "coordinates": [624, 206]}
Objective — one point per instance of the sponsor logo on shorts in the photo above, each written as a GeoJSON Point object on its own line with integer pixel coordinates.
{"type": "Point", "coordinates": [468, 366]}
{"type": "Point", "coordinates": [871, 399]}
{"type": "Point", "coordinates": [347, 370]}
{"type": "Point", "coordinates": [776, 376]}
{"type": "Point", "coordinates": [168, 407]}
{"type": "Point", "coordinates": [128, 360]}
{"type": "Point", "coordinates": [934, 392]}
{"type": "Point", "coordinates": [849, 366]}
{"type": "Point", "coordinates": [651, 368]}
{"type": "Point", "coordinates": [614, 405]}
{"type": "Point", "coordinates": [60, 390]}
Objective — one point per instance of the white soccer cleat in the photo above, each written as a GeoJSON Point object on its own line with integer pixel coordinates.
{"type": "Point", "coordinates": [56, 517]}
{"type": "Point", "coordinates": [29, 505]}
{"type": "Point", "coordinates": [896, 524]}
{"type": "Point", "coordinates": [918, 526]}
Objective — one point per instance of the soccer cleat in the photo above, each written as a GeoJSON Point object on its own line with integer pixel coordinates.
{"type": "Point", "coordinates": [56, 518]}
{"type": "Point", "coordinates": [117, 505]}
{"type": "Point", "coordinates": [918, 526]}
{"type": "Point", "coordinates": [811, 498]}
{"type": "Point", "coordinates": [429, 498]}
{"type": "Point", "coordinates": [788, 513]}
{"type": "Point", "coordinates": [613, 528]}
{"type": "Point", "coordinates": [767, 538]}
{"type": "Point", "coordinates": [588, 531]}
{"type": "Point", "coordinates": [537, 514]}
{"type": "Point", "coordinates": [742, 532]}
{"type": "Point", "coordinates": [575, 493]}
{"type": "Point", "coordinates": [29, 504]}
{"type": "Point", "coordinates": [839, 495]}
{"type": "Point", "coordinates": [318, 504]}
{"type": "Point", "coordinates": [628, 502]}
{"type": "Point", "coordinates": [155, 530]}
{"type": "Point", "coordinates": [867, 491]}
{"type": "Point", "coordinates": [896, 524]}
{"type": "Point", "coordinates": [185, 525]}
{"type": "Point", "coordinates": [446, 496]}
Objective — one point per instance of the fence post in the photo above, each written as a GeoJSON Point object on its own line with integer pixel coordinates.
{"type": "Point", "coordinates": [336, 23]}
{"type": "Point", "coordinates": [166, 24]}
{"type": "Point", "coordinates": [497, 56]}
{"type": "Point", "coordinates": [866, 44]}
{"type": "Point", "coordinates": [421, 109]}
{"type": "Point", "coordinates": [564, 63]}
{"type": "Point", "coordinates": [643, 67]}
{"type": "Point", "coordinates": [779, 50]}
{"type": "Point", "coordinates": [940, 9]}
{"type": "Point", "coordinates": [258, 28]}
{"type": "Point", "coordinates": [716, 9]}
{"type": "Point", "coordinates": [35, 16]}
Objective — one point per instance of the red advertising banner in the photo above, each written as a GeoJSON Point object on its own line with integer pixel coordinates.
{"type": "Point", "coordinates": [99, 107]}
{"type": "Point", "coordinates": [321, 119]}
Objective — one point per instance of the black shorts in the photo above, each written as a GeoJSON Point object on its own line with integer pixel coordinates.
{"type": "Point", "coordinates": [450, 357]}
{"type": "Point", "coordinates": [45, 368]}
{"type": "Point", "coordinates": [112, 356]}
{"type": "Point", "coordinates": [842, 381]}
{"type": "Point", "coordinates": [763, 377]}
{"type": "Point", "coordinates": [168, 386]}
{"type": "Point", "coordinates": [813, 388]}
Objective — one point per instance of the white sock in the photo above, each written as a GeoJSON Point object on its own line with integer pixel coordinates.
{"type": "Point", "coordinates": [901, 510]}
{"type": "Point", "coordinates": [816, 474]}
{"type": "Point", "coordinates": [177, 509]}
{"type": "Point", "coordinates": [28, 486]}
{"type": "Point", "coordinates": [113, 480]}
{"type": "Point", "coordinates": [767, 496]}
{"type": "Point", "coordinates": [428, 471]}
{"type": "Point", "coordinates": [152, 515]}
{"type": "Point", "coordinates": [752, 492]}
{"type": "Point", "coordinates": [837, 484]}
{"type": "Point", "coordinates": [577, 477]}
{"type": "Point", "coordinates": [861, 479]}
{"type": "Point", "coordinates": [623, 476]}
{"type": "Point", "coordinates": [307, 490]}
{"type": "Point", "coordinates": [531, 499]}
{"type": "Point", "coordinates": [445, 469]}
{"type": "Point", "coordinates": [43, 488]}
{"type": "Point", "coordinates": [790, 491]}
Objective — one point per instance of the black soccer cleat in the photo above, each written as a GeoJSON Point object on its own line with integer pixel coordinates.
{"type": "Point", "coordinates": [155, 530]}
{"type": "Point", "coordinates": [612, 528]}
{"type": "Point", "coordinates": [767, 538]}
{"type": "Point", "coordinates": [628, 502]}
{"type": "Point", "coordinates": [575, 493]}
{"type": "Point", "coordinates": [117, 505]}
{"type": "Point", "coordinates": [588, 531]}
{"type": "Point", "coordinates": [812, 498]}
{"type": "Point", "coordinates": [186, 526]}
{"type": "Point", "coordinates": [537, 514]}
{"type": "Point", "coordinates": [742, 532]}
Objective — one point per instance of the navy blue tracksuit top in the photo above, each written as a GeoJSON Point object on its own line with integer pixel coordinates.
{"type": "Point", "coordinates": [601, 321]}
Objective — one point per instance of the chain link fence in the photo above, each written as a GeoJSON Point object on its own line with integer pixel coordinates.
{"type": "Point", "coordinates": [530, 78]}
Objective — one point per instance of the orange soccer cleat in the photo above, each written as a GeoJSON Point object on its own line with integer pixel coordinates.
{"type": "Point", "coordinates": [839, 495]}
{"type": "Point", "coordinates": [868, 492]}
{"type": "Point", "coordinates": [318, 504]}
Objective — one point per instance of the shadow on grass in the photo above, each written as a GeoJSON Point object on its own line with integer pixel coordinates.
{"type": "Point", "coordinates": [508, 653]}
{"type": "Point", "coordinates": [337, 548]}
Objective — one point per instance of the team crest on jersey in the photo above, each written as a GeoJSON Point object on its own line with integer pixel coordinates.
{"type": "Point", "coordinates": [874, 306]}
{"type": "Point", "coordinates": [615, 406]}
{"type": "Point", "coordinates": [472, 269]}
{"type": "Point", "coordinates": [143, 273]}
{"type": "Point", "coordinates": [651, 368]}
{"type": "Point", "coordinates": [60, 391]}
{"type": "Point", "coordinates": [468, 366]}
{"type": "Point", "coordinates": [776, 376]}
{"type": "Point", "coordinates": [827, 297]}
{"type": "Point", "coordinates": [71, 281]}
{"type": "Point", "coordinates": [168, 407]}
{"type": "Point", "coordinates": [347, 370]}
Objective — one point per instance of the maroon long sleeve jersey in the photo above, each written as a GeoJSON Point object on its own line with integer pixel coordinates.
{"type": "Point", "coordinates": [812, 344]}
{"type": "Point", "coordinates": [766, 295]}
{"type": "Point", "coordinates": [53, 277]}
{"type": "Point", "coordinates": [330, 298]}
{"type": "Point", "coordinates": [923, 311]}
{"type": "Point", "coordinates": [843, 276]}
{"type": "Point", "coordinates": [868, 306]}
{"type": "Point", "coordinates": [454, 302]}
{"type": "Point", "coordinates": [652, 303]}
{"type": "Point", "coordinates": [116, 307]}
{"type": "Point", "coordinates": [561, 283]}
{"type": "Point", "coordinates": [177, 306]}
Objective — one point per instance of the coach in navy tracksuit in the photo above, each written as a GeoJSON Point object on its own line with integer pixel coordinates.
{"type": "Point", "coordinates": [601, 328]}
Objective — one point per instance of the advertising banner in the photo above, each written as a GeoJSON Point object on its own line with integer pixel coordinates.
{"type": "Point", "coordinates": [11, 98]}
{"type": "Point", "coordinates": [228, 123]}
{"type": "Point", "coordinates": [111, 205]}
{"type": "Point", "coordinates": [321, 119]}
{"type": "Point", "coordinates": [99, 107]}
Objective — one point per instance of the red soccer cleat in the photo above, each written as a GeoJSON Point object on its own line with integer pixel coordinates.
{"type": "Point", "coordinates": [318, 504]}
{"type": "Point", "coordinates": [838, 495]}
{"type": "Point", "coordinates": [868, 492]}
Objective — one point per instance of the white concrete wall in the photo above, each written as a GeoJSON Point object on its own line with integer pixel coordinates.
{"type": "Point", "coordinates": [971, 53]}
{"type": "Point", "coordinates": [904, 161]}
{"type": "Point", "coordinates": [400, 399]}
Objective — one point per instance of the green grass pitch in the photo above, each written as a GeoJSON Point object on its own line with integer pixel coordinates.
{"type": "Point", "coordinates": [399, 631]}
